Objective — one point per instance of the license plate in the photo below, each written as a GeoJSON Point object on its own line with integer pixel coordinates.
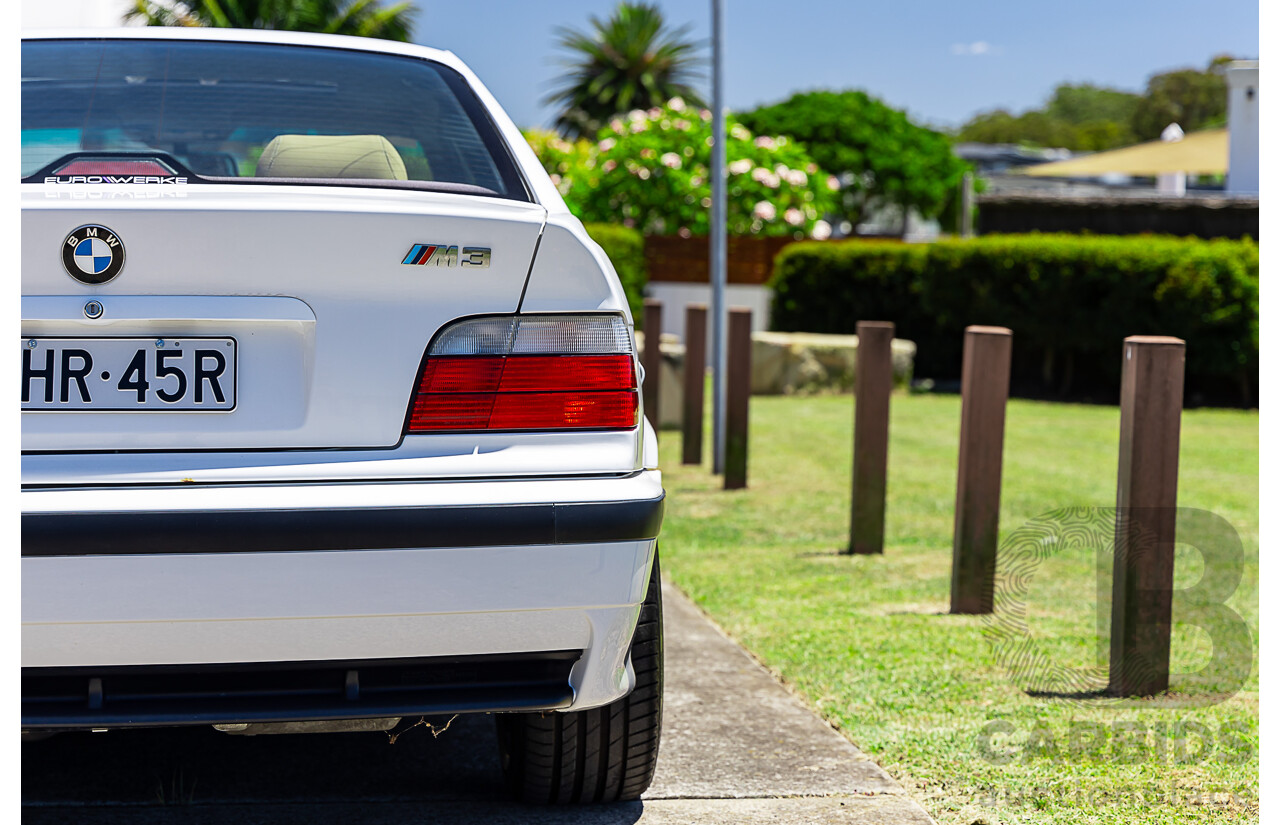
{"type": "Point", "coordinates": [128, 374]}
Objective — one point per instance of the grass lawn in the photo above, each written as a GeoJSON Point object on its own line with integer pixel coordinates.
{"type": "Point", "coordinates": [868, 643]}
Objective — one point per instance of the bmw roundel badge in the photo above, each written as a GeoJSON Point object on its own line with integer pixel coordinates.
{"type": "Point", "coordinates": [93, 254]}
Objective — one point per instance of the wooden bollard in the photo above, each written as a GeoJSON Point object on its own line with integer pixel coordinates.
{"type": "Point", "coordinates": [1146, 514]}
{"type": "Point", "coordinates": [984, 390]}
{"type": "Point", "coordinates": [872, 384]}
{"type": "Point", "coordinates": [695, 379]}
{"type": "Point", "coordinates": [738, 399]}
{"type": "Point", "coordinates": [652, 360]}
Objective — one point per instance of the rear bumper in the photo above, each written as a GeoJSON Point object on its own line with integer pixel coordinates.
{"type": "Point", "coordinates": [373, 573]}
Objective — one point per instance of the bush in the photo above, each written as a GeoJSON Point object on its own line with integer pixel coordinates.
{"type": "Point", "coordinates": [1070, 301]}
{"type": "Point", "coordinates": [625, 247]}
{"type": "Point", "coordinates": [649, 170]}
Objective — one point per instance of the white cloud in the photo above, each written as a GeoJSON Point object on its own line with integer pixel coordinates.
{"type": "Point", "coordinates": [978, 48]}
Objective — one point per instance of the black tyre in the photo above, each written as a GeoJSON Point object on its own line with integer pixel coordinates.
{"type": "Point", "coordinates": [605, 754]}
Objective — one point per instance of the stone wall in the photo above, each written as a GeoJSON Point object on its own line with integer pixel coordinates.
{"type": "Point", "coordinates": [782, 363]}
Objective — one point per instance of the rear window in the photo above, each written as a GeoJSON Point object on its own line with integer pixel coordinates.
{"type": "Point", "coordinates": [257, 113]}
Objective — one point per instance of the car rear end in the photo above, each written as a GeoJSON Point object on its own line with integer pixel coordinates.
{"type": "Point", "coordinates": [330, 408]}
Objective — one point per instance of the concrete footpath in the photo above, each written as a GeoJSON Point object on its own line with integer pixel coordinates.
{"type": "Point", "coordinates": [736, 747]}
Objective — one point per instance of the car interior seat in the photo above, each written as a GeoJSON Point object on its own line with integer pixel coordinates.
{"type": "Point", "coordinates": [331, 156]}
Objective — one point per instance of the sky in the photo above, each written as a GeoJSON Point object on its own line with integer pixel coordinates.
{"type": "Point", "coordinates": [941, 60]}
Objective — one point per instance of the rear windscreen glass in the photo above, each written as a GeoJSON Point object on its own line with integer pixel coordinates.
{"type": "Point", "coordinates": [258, 113]}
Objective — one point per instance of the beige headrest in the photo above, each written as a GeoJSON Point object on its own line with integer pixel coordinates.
{"type": "Point", "coordinates": [331, 156]}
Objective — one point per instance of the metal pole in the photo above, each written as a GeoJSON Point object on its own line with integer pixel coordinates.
{"type": "Point", "coordinates": [719, 311]}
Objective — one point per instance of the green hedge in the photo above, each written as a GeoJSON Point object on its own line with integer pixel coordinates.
{"type": "Point", "coordinates": [625, 247]}
{"type": "Point", "coordinates": [1070, 301]}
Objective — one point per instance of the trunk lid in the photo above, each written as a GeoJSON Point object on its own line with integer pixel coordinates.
{"type": "Point", "coordinates": [329, 324]}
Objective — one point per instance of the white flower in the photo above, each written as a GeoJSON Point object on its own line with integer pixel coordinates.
{"type": "Point", "coordinates": [648, 153]}
{"type": "Point", "coordinates": [796, 178]}
{"type": "Point", "coordinates": [682, 124]}
{"type": "Point", "coordinates": [636, 115]}
{"type": "Point", "coordinates": [766, 142]}
{"type": "Point", "coordinates": [765, 211]}
{"type": "Point", "coordinates": [833, 183]}
{"type": "Point", "coordinates": [671, 160]}
{"type": "Point", "coordinates": [655, 112]}
{"type": "Point", "coordinates": [642, 173]}
{"type": "Point", "coordinates": [739, 132]}
{"type": "Point", "coordinates": [705, 114]}
{"type": "Point", "coordinates": [740, 167]}
{"type": "Point", "coordinates": [764, 176]}
{"type": "Point", "coordinates": [607, 144]}
{"type": "Point", "coordinates": [609, 165]}
{"type": "Point", "coordinates": [793, 216]}
{"type": "Point", "coordinates": [684, 232]}
{"type": "Point", "coordinates": [616, 124]}
{"type": "Point", "coordinates": [696, 180]}
{"type": "Point", "coordinates": [638, 126]}
{"type": "Point", "coordinates": [677, 104]}
{"type": "Point", "coordinates": [706, 203]}
{"type": "Point", "coordinates": [821, 230]}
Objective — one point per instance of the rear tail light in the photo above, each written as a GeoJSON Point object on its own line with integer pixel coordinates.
{"type": "Point", "coordinates": [540, 372]}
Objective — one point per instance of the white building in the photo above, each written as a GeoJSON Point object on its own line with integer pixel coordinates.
{"type": "Point", "coordinates": [1242, 124]}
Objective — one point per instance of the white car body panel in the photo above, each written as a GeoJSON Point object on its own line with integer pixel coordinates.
{"type": "Point", "coordinates": [348, 382]}
{"type": "Point", "coordinates": [331, 331]}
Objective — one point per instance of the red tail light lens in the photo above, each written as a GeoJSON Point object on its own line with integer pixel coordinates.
{"type": "Point", "coordinates": [490, 391]}
{"type": "Point", "coordinates": [114, 166]}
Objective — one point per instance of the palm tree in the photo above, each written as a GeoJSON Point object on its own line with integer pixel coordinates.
{"type": "Point", "coordinates": [630, 61]}
{"type": "Point", "coordinates": [364, 18]}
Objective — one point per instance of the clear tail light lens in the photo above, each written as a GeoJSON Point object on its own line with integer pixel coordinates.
{"type": "Point", "coordinates": [549, 372]}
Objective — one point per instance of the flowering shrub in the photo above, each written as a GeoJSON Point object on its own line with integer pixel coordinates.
{"type": "Point", "coordinates": [651, 170]}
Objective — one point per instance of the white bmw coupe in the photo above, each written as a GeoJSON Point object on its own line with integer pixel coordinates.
{"type": "Point", "coordinates": [330, 409]}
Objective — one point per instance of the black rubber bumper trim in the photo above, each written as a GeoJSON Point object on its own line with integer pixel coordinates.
{"type": "Point", "coordinates": [356, 528]}
{"type": "Point", "coordinates": [75, 698]}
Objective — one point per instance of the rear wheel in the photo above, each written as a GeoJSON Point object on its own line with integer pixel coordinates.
{"type": "Point", "coordinates": [605, 754]}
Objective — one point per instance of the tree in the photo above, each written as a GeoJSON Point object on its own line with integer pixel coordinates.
{"type": "Point", "coordinates": [1035, 128]}
{"type": "Point", "coordinates": [880, 156]}
{"type": "Point", "coordinates": [1080, 117]}
{"type": "Point", "coordinates": [1091, 118]}
{"type": "Point", "coordinates": [631, 61]}
{"type": "Point", "coordinates": [1085, 103]}
{"type": "Point", "coordinates": [1192, 99]}
{"type": "Point", "coordinates": [362, 18]}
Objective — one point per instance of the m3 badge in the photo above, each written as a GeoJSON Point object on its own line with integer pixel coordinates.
{"type": "Point", "coordinates": [430, 254]}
